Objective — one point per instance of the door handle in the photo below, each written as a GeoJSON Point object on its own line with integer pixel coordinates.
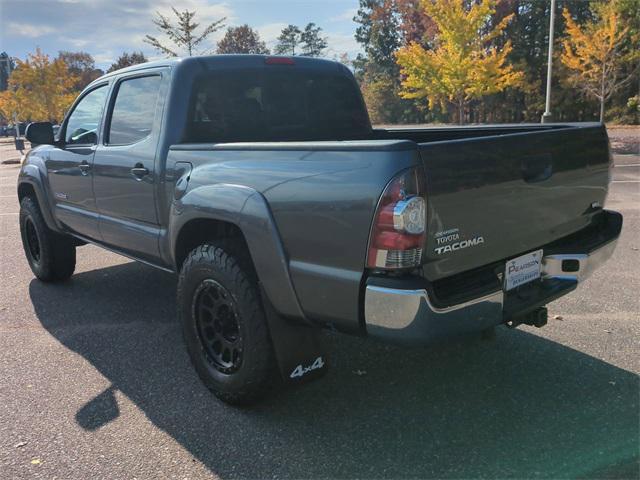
{"type": "Point", "coordinates": [84, 167]}
{"type": "Point", "coordinates": [139, 171]}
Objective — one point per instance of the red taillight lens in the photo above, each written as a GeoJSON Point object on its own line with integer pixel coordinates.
{"type": "Point", "coordinates": [399, 224]}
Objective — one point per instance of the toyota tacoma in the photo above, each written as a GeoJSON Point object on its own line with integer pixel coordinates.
{"type": "Point", "coordinates": [261, 183]}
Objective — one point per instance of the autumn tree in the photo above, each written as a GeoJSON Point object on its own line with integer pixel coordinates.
{"type": "Point", "coordinates": [127, 60]}
{"type": "Point", "coordinates": [309, 41]}
{"type": "Point", "coordinates": [415, 25]}
{"type": "Point", "coordinates": [462, 65]}
{"type": "Point", "coordinates": [183, 34]}
{"type": "Point", "coordinates": [596, 51]}
{"type": "Point", "coordinates": [242, 39]}
{"type": "Point", "coordinates": [528, 31]}
{"type": "Point", "coordinates": [381, 97]}
{"type": "Point", "coordinates": [39, 89]}
{"type": "Point", "coordinates": [82, 66]}
{"type": "Point", "coordinates": [379, 34]}
{"type": "Point", "coordinates": [623, 105]}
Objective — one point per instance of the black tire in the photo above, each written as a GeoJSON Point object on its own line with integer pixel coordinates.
{"type": "Point", "coordinates": [224, 325]}
{"type": "Point", "coordinates": [51, 255]}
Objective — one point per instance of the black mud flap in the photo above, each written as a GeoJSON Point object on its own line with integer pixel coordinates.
{"type": "Point", "coordinates": [298, 348]}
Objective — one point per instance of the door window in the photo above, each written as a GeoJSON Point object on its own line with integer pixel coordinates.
{"type": "Point", "coordinates": [134, 110]}
{"type": "Point", "coordinates": [82, 126]}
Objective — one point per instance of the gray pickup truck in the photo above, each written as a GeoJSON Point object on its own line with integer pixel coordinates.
{"type": "Point", "coordinates": [261, 183]}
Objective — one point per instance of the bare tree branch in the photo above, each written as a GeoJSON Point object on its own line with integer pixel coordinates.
{"type": "Point", "coordinates": [158, 46]}
{"type": "Point", "coordinates": [182, 33]}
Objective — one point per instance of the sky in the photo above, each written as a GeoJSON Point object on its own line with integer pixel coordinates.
{"type": "Point", "coordinates": [106, 28]}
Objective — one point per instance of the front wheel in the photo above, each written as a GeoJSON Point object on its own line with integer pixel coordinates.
{"type": "Point", "coordinates": [224, 326]}
{"type": "Point", "coordinates": [51, 255]}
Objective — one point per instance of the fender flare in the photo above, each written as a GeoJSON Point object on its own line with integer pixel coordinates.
{"type": "Point", "coordinates": [248, 210]}
{"type": "Point", "coordinates": [31, 174]}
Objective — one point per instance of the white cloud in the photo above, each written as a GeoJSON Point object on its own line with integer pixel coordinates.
{"type": "Point", "coordinates": [270, 32]}
{"type": "Point", "coordinates": [105, 58]}
{"type": "Point", "coordinates": [79, 42]}
{"type": "Point", "coordinates": [206, 12]}
{"type": "Point", "coordinates": [28, 30]}
{"type": "Point", "coordinates": [346, 16]}
{"type": "Point", "coordinates": [341, 43]}
{"type": "Point", "coordinates": [107, 28]}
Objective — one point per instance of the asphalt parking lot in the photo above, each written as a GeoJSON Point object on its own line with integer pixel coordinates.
{"type": "Point", "coordinates": [95, 383]}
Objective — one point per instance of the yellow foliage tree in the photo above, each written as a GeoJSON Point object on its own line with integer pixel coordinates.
{"type": "Point", "coordinates": [462, 66]}
{"type": "Point", "coordinates": [39, 90]}
{"type": "Point", "coordinates": [595, 52]}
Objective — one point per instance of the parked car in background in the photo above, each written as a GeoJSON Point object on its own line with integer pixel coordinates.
{"type": "Point", "coordinates": [260, 182]}
{"type": "Point", "coordinates": [9, 131]}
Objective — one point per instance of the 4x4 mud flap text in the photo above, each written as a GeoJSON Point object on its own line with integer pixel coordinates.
{"type": "Point", "coordinates": [298, 349]}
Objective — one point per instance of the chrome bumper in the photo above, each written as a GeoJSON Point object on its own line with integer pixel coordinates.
{"type": "Point", "coordinates": [410, 315]}
{"type": "Point", "coordinates": [552, 265]}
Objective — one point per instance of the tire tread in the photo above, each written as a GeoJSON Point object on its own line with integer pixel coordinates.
{"type": "Point", "coordinates": [259, 376]}
{"type": "Point", "coordinates": [58, 251]}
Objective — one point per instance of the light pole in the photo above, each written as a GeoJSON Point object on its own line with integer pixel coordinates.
{"type": "Point", "coordinates": [546, 116]}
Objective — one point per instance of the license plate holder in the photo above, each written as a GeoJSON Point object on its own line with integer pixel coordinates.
{"type": "Point", "coordinates": [523, 269]}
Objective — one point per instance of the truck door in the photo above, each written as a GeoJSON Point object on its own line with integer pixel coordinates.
{"type": "Point", "coordinates": [125, 166]}
{"type": "Point", "coordinates": [70, 164]}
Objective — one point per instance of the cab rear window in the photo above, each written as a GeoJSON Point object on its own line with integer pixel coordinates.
{"type": "Point", "coordinates": [275, 105]}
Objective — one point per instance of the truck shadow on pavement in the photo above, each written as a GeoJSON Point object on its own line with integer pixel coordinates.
{"type": "Point", "coordinates": [517, 406]}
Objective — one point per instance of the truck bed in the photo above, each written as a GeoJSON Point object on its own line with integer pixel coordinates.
{"type": "Point", "coordinates": [437, 133]}
{"type": "Point", "coordinates": [517, 187]}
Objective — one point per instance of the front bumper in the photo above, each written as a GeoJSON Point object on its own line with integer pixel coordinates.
{"type": "Point", "coordinates": [411, 315]}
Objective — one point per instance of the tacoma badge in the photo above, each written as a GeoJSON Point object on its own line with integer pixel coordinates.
{"type": "Point", "coordinates": [460, 245]}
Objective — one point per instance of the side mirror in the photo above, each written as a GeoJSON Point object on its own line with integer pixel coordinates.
{"type": "Point", "coordinates": [39, 133]}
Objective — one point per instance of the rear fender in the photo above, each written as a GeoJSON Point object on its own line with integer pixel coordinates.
{"type": "Point", "coordinates": [248, 210]}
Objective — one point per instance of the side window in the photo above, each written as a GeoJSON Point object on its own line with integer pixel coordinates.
{"type": "Point", "coordinates": [134, 110]}
{"type": "Point", "coordinates": [82, 126]}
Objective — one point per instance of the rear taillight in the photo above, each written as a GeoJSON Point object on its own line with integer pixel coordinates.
{"type": "Point", "coordinates": [399, 224]}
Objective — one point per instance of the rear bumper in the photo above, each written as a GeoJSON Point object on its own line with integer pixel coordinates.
{"type": "Point", "coordinates": [411, 315]}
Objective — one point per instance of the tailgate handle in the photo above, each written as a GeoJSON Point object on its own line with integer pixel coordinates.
{"type": "Point", "coordinates": [536, 169]}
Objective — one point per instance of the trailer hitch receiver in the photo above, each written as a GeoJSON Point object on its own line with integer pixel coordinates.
{"type": "Point", "coordinates": [536, 318]}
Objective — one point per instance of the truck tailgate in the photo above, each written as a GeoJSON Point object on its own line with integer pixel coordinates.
{"type": "Point", "coordinates": [495, 197]}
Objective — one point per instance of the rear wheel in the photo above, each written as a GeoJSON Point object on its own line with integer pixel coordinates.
{"type": "Point", "coordinates": [224, 325]}
{"type": "Point", "coordinates": [51, 256]}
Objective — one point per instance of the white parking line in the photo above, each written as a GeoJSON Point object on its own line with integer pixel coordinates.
{"type": "Point", "coordinates": [627, 165]}
{"type": "Point", "coordinates": [7, 214]}
{"type": "Point", "coordinates": [625, 181]}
